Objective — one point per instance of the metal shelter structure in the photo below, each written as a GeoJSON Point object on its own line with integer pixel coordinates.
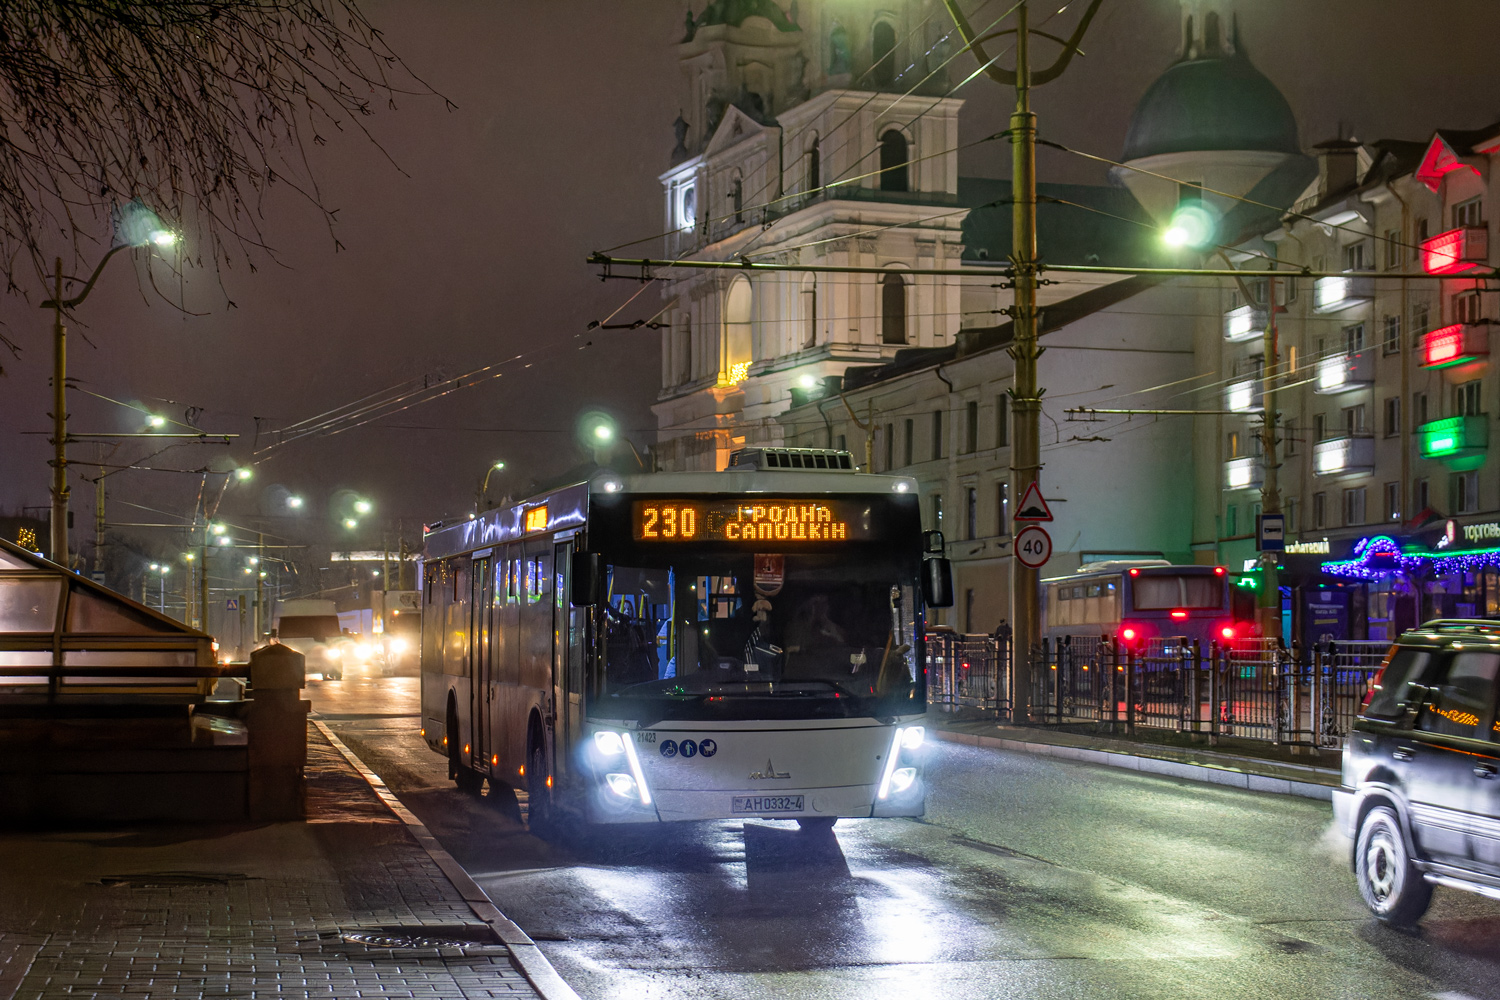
{"type": "Point", "coordinates": [65, 640]}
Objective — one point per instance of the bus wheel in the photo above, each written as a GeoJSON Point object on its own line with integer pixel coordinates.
{"type": "Point", "coordinates": [470, 781]}
{"type": "Point", "coordinates": [540, 796]}
{"type": "Point", "coordinates": [817, 824]}
{"type": "Point", "coordinates": [502, 798]}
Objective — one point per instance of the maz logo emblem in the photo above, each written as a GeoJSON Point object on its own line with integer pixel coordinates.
{"type": "Point", "coordinates": [769, 773]}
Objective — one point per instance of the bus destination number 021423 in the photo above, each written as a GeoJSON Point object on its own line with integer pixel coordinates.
{"type": "Point", "coordinates": [731, 521]}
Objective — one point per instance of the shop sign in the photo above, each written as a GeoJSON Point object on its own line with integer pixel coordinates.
{"type": "Point", "coordinates": [1309, 548]}
{"type": "Point", "coordinates": [1486, 531]}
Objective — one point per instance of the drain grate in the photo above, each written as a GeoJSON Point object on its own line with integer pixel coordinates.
{"type": "Point", "coordinates": [426, 938]}
{"type": "Point", "coordinates": [173, 880]}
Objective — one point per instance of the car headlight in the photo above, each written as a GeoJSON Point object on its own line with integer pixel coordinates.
{"type": "Point", "coordinates": [398, 645]}
{"type": "Point", "coordinates": [912, 737]}
{"type": "Point", "coordinates": [622, 785]}
{"type": "Point", "coordinates": [902, 778]}
{"type": "Point", "coordinates": [609, 743]}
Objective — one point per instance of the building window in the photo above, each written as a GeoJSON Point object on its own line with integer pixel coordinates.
{"type": "Point", "coordinates": [1354, 420]}
{"type": "Point", "coordinates": [1392, 416]}
{"type": "Point", "coordinates": [1420, 495]}
{"type": "Point", "coordinates": [1419, 236]}
{"type": "Point", "coordinates": [892, 309]}
{"type": "Point", "coordinates": [1320, 510]}
{"type": "Point", "coordinates": [842, 443]}
{"type": "Point", "coordinates": [1392, 339]}
{"type": "Point", "coordinates": [1392, 249]}
{"type": "Point", "coordinates": [1356, 257]}
{"type": "Point", "coordinates": [1291, 360]}
{"type": "Point", "coordinates": [1002, 509]}
{"type": "Point", "coordinates": [890, 447]}
{"type": "Point", "coordinates": [893, 165]}
{"type": "Point", "coordinates": [1469, 213]}
{"type": "Point", "coordinates": [1233, 444]}
{"type": "Point", "coordinates": [1466, 399]}
{"type": "Point", "coordinates": [737, 343]}
{"type": "Point", "coordinates": [1467, 308]}
{"type": "Point", "coordinates": [1290, 510]}
{"type": "Point", "coordinates": [737, 199]}
{"type": "Point", "coordinates": [1393, 501]}
{"type": "Point", "coordinates": [971, 427]}
{"type": "Point", "coordinates": [1419, 321]}
{"type": "Point", "coordinates": [971, 512]}
{"type": "Point", "coordinates": [809, 312]}
{"type": "Point", "coordinates": [1465, 492]}
{"type": "Point", "coordinates": [883, 54]}
{"type": "Point", "coordinates": [1002, 421]}
{"type": "Point", "coordinates": [1354, 338]}
{"type": "Point", "coordinates": [1354, 506]}
{"type": "Point", "coordinates": [906, 450]}
{"type": "Point", "coordinates": [1231, 521]}
{"type": "Point", "coordinates": [1418, 411]}
{"type": "Point", "coordinates": [937, 512]}
{"type": "Point", "coordinates": [937, 434]}
{"type": "Point", "coordinates": [1320, 426]}
{"type": "Point", "coordinates": [814, 166]}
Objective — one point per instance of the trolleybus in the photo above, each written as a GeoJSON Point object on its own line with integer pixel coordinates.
{"type": "Point", "coordinates": [1146, 599]}
{"type": "Point", "coordinates": [688, 646]}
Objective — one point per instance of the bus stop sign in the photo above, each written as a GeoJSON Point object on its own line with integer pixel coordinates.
{"type": "Point", "coordinates": [1272, 532]}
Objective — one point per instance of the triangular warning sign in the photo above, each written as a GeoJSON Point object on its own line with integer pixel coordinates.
{"type": "Point", "coordinates": [1033, 507]}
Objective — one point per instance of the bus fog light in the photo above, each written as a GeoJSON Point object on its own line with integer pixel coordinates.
{"type": "Point", "coordinates": [913, 737]}
{"type": "Point", "coordinates": [901, 779]}
{"type": "Point", "coordinates": [622, 785]}
{"type": "Point", "coordinates": [609, 744]}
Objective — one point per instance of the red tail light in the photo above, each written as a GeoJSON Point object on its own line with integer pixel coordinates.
{"type": "Point", "coordinates": [1128, 634]}
{"type": "Point", "coordinates": [1218, 571]}
{"type": "Point", "coordinates": [1179, 615]}
{"type": "Point", "coordinates": [1135, 572]}
{"type": "Point", "coordinates": [1227, 632]}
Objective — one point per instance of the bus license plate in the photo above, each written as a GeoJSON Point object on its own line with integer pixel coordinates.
{"type": "Point", "coordinates": [760, 804]}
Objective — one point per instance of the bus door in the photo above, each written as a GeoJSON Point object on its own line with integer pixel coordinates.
{"type": "Point", "coordinates": [567, 655]}
{"type": "Point", "coordinates": [482, 687]}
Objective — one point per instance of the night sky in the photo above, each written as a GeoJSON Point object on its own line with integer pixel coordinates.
{"type": "Point", "coordinates": [473, 250]}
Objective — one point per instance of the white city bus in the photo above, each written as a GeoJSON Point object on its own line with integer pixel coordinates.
{"type": "Point", "coordinates": [688, 646]}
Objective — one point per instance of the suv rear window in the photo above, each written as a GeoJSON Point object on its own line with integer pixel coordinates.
{"type": "Point", "coordinates": [1464, 697]}
{"type": "Point", "coordinates": [1388, 701]}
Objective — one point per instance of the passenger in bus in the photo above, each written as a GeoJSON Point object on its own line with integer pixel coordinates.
{"type": "Point", "coordinates": [811, 627]}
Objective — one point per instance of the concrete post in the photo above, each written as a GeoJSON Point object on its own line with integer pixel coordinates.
{"type": "Point", "coordinates": [277, 723]}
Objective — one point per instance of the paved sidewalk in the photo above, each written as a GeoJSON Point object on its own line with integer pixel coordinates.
{"type": "Point", "coordinates": [344, 905]}
{"type": "Point", "coordinates": [1240, 763]}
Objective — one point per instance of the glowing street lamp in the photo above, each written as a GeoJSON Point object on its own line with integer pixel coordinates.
{"type": "Point", "coordinates": [1193, 226]}
{"type": "Point", "coordinates": [156, 421]}
{"type": "Point", "coordinates": [350, 523]}
{"type": "Point", "coordinates": [363, 506]}
{"type": "Point", "coordinates": [295, 503]}
{"type": "Point", "coordinates": [243, 473]}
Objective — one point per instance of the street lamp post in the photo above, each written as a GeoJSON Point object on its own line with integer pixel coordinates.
{"type": "Point", "coordinates": [483, 500]}
{"type": "Point", "coordinates": [135, 225]}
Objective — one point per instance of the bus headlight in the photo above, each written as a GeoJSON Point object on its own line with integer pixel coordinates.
{"type": "Point", "coordinates": [609, 744]}
{"type": "Point", "coordinates": [912, 737]}
{"type": "Point", "coordinates": [622, 785]}
{"type": "Point", "coordinates": [902, 778]}
{"type": "Point", "coordinates": [399, 645]}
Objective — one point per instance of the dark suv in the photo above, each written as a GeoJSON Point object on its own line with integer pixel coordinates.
{"type": "Point", "coordinates": [1420, 794]}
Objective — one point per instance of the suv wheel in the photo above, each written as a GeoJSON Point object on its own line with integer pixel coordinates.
{"type": "Point", "coordinates": [1391, 885]}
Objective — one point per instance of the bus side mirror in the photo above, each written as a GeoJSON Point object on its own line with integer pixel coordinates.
{"type": "Point", "coordinates": [937, 583]}
{"type": "Point", "coordinates": [586, 578]}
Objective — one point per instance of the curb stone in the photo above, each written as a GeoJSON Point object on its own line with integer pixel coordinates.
{"type": "Point", "coordinates": [1207, 773]}
{"type": "Point", "coordinates": [528, 957]}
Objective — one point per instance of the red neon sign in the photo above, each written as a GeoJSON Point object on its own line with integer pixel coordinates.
{"type": "Point", "coordinates": [1447, 253]}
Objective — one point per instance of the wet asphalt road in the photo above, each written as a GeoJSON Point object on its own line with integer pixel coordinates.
{"type": "Point", "coordinates": [1029, 877]}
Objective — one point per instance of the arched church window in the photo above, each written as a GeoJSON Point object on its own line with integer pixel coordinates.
{"type": "Point", "coordinates": [883, 54]}
{"type": "Point", "coordinates": [838, 51]}
{"type": "Point", "coordinates": [737, 336]}
{"type": "Point", "coordinates": [892, 308]}
{"type": "Point", "coordinates": [810, 311]}
{"type": "Point", "coordinates": [893, 160]}
{"type": "Point", "coordinates": [814, 166]}
{"type": "Point", "coordinates": [737, 198]}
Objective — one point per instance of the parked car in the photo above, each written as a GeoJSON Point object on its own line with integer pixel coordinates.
{"type": "Point", "coordinates": [1420, 794]}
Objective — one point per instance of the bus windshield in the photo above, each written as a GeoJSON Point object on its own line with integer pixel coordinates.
{"type": "Point", "coordinates": [1156, 592]}
{"type": "Point", "coordinates": [735, 634]}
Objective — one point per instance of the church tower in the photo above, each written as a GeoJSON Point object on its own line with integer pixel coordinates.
{"type": "Point", "coordinates": [812, 132]}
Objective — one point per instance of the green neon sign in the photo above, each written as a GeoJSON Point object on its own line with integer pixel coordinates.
{"type": "Point", "coordinates": [1455, 440]}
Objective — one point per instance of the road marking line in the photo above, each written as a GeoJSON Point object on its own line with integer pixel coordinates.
{"type": "Point", "coordinates": [528, 957]}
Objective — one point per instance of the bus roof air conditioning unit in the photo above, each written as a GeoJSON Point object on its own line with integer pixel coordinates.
{"type": "Point", "coordinates": [794, 459]}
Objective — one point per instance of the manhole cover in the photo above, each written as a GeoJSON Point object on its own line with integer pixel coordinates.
{"type": "Point", "coordinates": [429, 938]}
{"type": "Point", "coordinates": [173, 880]}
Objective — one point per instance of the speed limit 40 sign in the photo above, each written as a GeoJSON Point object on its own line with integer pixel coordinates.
{"type": "Point", "coordinates": [1033, 546]}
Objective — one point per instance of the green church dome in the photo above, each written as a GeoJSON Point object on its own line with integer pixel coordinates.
{"type": "Point", "coordinates": [1211, 104]}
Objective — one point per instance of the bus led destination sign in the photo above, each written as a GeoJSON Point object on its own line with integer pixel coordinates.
{"type": "Point", "coordinates": [761, 521]}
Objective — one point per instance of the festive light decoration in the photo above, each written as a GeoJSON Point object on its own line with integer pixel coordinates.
{"type": "Point", "coordinates": [1380, 556]}
{"type": "Point", "coordinates": [1459, 441]}
{"type": "Point", "coordinates": [1452, 345]}
{"type": "Point", "coordinates": [1455, 251]}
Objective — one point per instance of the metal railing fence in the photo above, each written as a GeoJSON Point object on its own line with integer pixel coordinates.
{"type": "Point", "coordinates": [1249, 688]}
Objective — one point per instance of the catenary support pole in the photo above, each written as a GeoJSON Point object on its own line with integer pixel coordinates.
{"type": "Point", "coordinates": [59, 425]}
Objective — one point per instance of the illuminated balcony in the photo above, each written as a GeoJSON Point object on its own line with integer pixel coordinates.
{"type": "Point", "coordinates": [1244, 323]}
{"type": "Point", "coordinates": [1344, 456]}
{"type": "Point", "coordinates": [1344, 372]}
{"type": "Point", "coordinates": [1244, 396]}
{"type": "Point", "coordinates": [1461, 442]}
{"type": "Point", "coordinates": [1342, 291]}
{"type": "Point", "coordinates": [1456, 251]}
{"type": "Point", "coordinates": [1243, 474]}
{"type": "Point", "coordinates": [1455, 345]}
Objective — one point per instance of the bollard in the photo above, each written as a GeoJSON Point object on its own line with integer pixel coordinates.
{"type": "Point", "coordinates": [277, 724]}
{"type": "Point", "coordinates": [1213, 694]}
